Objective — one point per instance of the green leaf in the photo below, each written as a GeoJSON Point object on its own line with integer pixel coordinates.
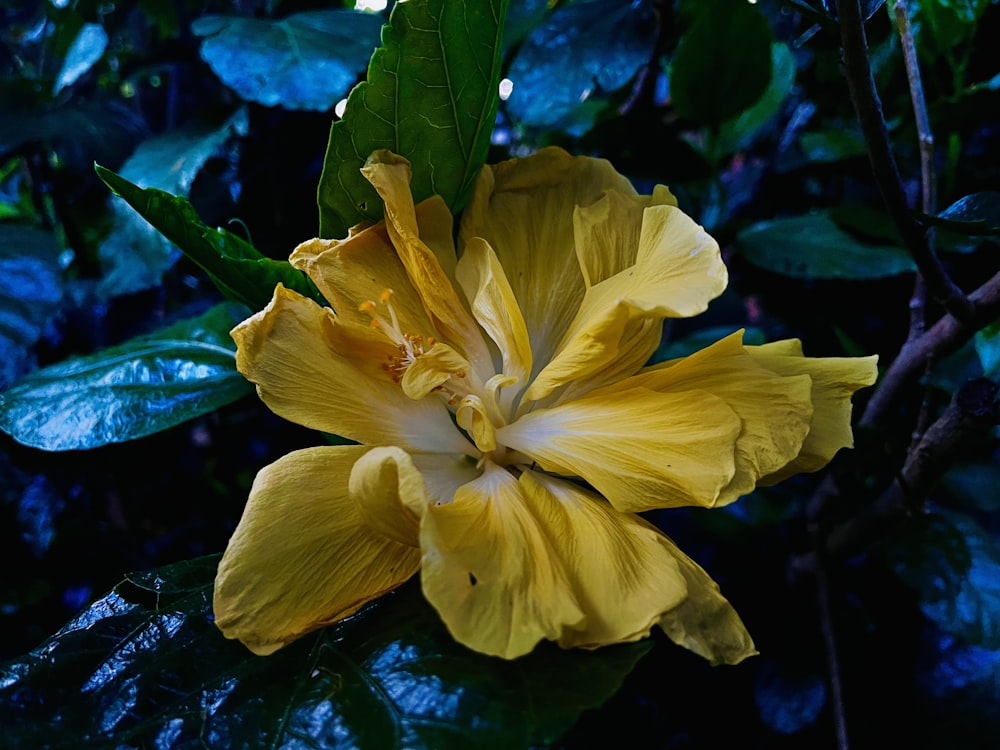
{"type": "Point", "coordinates": [431, 96]}
{"type": "Point", "coordinates": [131, 390]}
{"type": "Point", "coordinates": [135, 255]}
{"type": "Point", "coordinates": [977, 214]}
{"type": "Point", "coordinates": [824, 146]}
{"type": "Point", "coordinates": [723, 62]}
{"type": "Point", "coordinates": [31, 289]}
{"type": "Point", "coordinates": [974, 485]}
{"type": "Point", "coordinates": [741, 132]}
{"type": "Point", "coordinates": [235, 266]}
{"type": "Point", "coordinates": [87, 49]}
{"type": "Point", "coordinates": [305, 61]}
{"type": "Point", "coordinates": [954, 566]}
{"type": "Point", "coordinates": [987, 343]}
{"type": "Point", "coordinates": [583, 49]}
{"type": "Point", "coordinates": [814, 247]}
{"type": "Point", "coordinates": [146, 667]}
{"type": "Point", "coordinates": [944, 24]}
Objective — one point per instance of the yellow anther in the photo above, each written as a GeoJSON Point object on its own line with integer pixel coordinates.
{"type": "Point", "coordinates": [431, 341]}
{"type": "Point", "coordinates": [375, 324]}
{"type": "Point", "coordinates": [385, 295]}
{"type": "Point", "coordinates": [367, 306]}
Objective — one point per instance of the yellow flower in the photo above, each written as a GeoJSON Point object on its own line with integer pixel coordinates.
{"type": "Point", "coordinates": [508, 430]}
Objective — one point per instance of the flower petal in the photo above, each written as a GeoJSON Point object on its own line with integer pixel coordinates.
{"type": "Point", "coordinates": [489, 570]}
{"type": "Point", "coordinates": [638, 448]}
{"type": "Point", "coordinates": [705, 622]}
{"type": "Point", "coordinates": [495, 307]}
{"type": "Point", "coordinates": [524, 209]}
{"type": "Point", "coordinates": [303, 555]}
{"type": "Point", "coordinates": [622, 575]}
{"type": "Point", "coordinates": [390, 176]}
{"type": "Point", "coordinates": [678, 270]}
{"type": "Point", "coordinates": [287, 350]}
{"type": "Point", "coordinates": [834, 380]}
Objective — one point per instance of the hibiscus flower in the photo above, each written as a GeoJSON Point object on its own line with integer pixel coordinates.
{"type": "Point", "coordinates": [508, 429]}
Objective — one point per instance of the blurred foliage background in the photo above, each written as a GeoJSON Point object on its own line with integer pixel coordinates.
{"type": "Point", "coordinates": [890, 631]}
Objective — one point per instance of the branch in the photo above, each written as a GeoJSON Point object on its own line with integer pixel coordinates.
{"type": "Point", "coordinates": [868, 108]}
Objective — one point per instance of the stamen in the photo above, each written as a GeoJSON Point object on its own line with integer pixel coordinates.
{"type": "Point", "coordinates": [367, 306]}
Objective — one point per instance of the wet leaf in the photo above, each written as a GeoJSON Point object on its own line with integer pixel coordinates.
{"type": "Point", "coordinates": [305, 61]}
{"type": "Point", "coordinates": [814, 247]}
{"type": "Point", "coordinates": [131, 390]}
{"type": "Point", "coordinates": [235, 266]}
{"type": "Point", "coordinates": [723, 62]}
{"type": "Point", "coordinates": [954, 566]}
{"type": "Point", "coordinates": [31, 289]}
{"type": "Point", "coordinates": [431, 95]}
{"type": "Point", "coordinates": [583, 49]}
{"type": "Point", "coordinates": [145, 666]}
{"type": "Point", "coordinates": [135, 254]}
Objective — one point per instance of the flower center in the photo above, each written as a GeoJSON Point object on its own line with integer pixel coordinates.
{"type": "Point", "coordinates": [409, 346]}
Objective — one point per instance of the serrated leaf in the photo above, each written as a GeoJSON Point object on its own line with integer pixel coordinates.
{"type": "Point", "coordinates": [431, 96]}
{"type": "Point", "coordinates": [87, 49]}
{"type": "Point", "coordinates": [814, 247]}
{"type": "Point", "coordinates": [145, 666]}
{"type": "Point", "coordinates": [235, 266]}
{"type": "Point", "coordinates": [977, 214]}
{"type": "Point", "coordinates": [583, 48]}
{"type": "Point", "coordinates": [135, 255]}
{"type": "Point", "coordinates": [723, 61]}
{"type": "Point", "coordinates": [142, 386]}
{"type": "Point", "coordinates": [305, 61]}
{"type": "Point", "coordinates": [30, 292]}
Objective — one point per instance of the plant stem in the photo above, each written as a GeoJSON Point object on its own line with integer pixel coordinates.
{"type": "Point", "coordinates": [868, 108]}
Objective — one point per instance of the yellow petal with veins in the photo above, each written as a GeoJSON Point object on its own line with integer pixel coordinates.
{"type": "Point", "coordinates": [432, 369]}
{"type": "Point", "coordinates": [638, 448]}
{"type": "Point", "coordinates": [622, 576]}
{"type": "Point", "coordinates": [304, 555]}
{"type": "Point", "coordinates": [705, 622]}
{"type": "Point", "coordinates": [286, 349]}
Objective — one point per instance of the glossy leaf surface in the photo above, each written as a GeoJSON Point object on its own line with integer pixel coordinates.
{"type": "Point", "coordinates": [814, 247]}
{"type": "Point", "coordinates": [431, 95]}
{"type": "Point", "coordinates": [235, 266]}
{"type": "Point", "coordinates": [586, 47]}
{"type": "Point", "coordinates": [145, 666]}
{"type": "Point", "coordinates": [305, 61]}
{"type": "Point", "coordinates": [127, 391]}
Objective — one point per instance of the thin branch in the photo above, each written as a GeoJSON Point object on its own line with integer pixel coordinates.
{"type": "Point", "coordinates": [832, 660]}
{"type": "Point", "coordinates": [868, 108]}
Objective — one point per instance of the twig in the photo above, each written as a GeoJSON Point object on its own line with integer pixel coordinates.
{"type": "Point", "coordinates": [832, 660]}
{"type": "Point", "coordinates": [868, 108]}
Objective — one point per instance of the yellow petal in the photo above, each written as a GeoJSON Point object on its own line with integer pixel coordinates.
{"type": "Point", "coordinates": [638, 448]}
{"type": "Point", "coordinates": [489, 571]}
{"type": "Point", "coordinates": [433, 369]}
{"type": "Point", "coordinates": [495, 307]}
{"type": "Point", "coordinates": [834, 380]}
{"type": "Point", "coordinates": [390, 176]}
{"type": "Point", "coordinates": [472, 416]}
{"type": "Point", "coordinates": [286, 349]}
{"type": "Point", "coordinates": [678, 270]}
{"type": "Point", "coordinates": [623, 577]}
{"type": "Point", "coordinates": [303, 555]}
{"type": "Point", "coordinates": [705, 622]}
{"type": "Point", "coordinates": [524, 209]}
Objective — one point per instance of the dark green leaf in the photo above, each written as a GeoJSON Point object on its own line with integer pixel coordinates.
{"type": "Point", "coordinates": [974, 485]}
{"type": "Point", "coordinates": [522, 18]}
{"type": "Point", "coordinates": [145, 667]}
{"type": "Point", "coordinates": [431, 96]}
{"type": "Point", "coordinates": [87, 48]}
{"type": "Point", "coordinates": [135, 255]}
{"type": "Point", "coordinates": [974, 215]}
{"type": "Point", "coordinates": [954, 566]}
{"type": "Point", "coordinates": [741, 132]}
{"type": "Point", "coordinates": [235, 266]}
{"type": "Point", "coordinates": [832, 145]}
{"type": "Point", "coordinates": [30, 291]}
{"type": "Point", "coordinates": [131, 390]}
{"type": "Point", "coordinates": [723, 61]}
{"type": "Point", "coordinates": [584, 48]}
{"type": "Point", "coordinates": [305, 61]}
{"type": "Point", "coordinates": [944, 24]}
{"type": "Point", "coordinates": [814, 247]}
